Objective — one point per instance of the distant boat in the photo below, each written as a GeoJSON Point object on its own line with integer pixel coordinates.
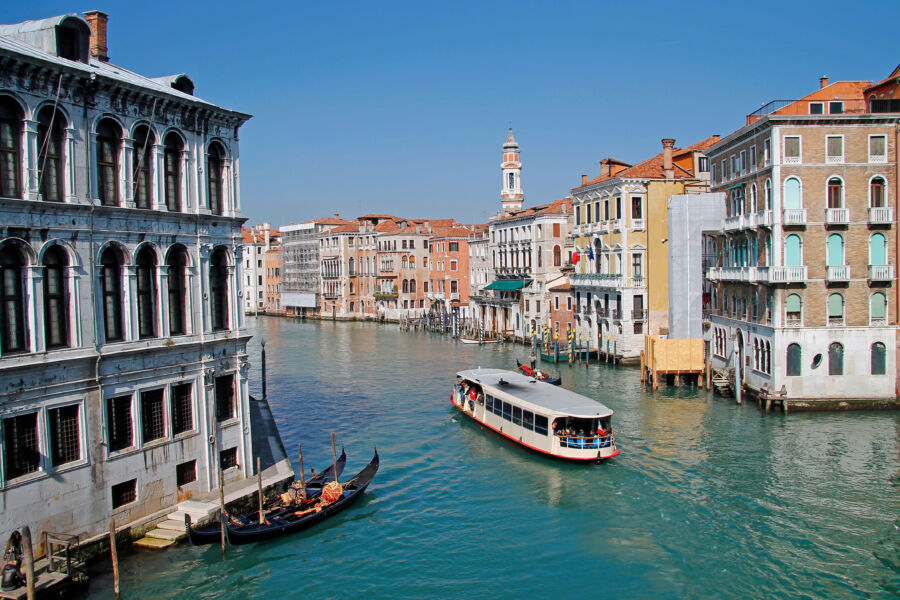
{"type": "Point", "coordinates": [480, 340]}
{"type": "Point", "coordinates": [538, 374]}
{"type": "Point", "coordinates": [544, 418]}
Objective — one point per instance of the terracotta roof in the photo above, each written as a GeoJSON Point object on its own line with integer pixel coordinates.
{"type": "Point", "coordinates": [348, 228]}
{"type": "Point", "coordinates": [565, 287]}
{"type": "Point", "coordinates": [563, 205]}
{"type": "Point", "coordinates": [895, 74]}
{"type": "Point", "coordinates": [839, 90]}
{"type": "Point", "coordinates": [652, 168]}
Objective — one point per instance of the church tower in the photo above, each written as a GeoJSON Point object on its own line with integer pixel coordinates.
{"type": "Point", "coordinates": [511, 196]}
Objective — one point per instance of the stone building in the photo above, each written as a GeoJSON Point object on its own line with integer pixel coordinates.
{"type": "Point", "coordinates": [621, 279]}
{"type": "Point", "coordinates": [301, 283]}
{"type": "Point", "coordinates": [803, 301]}
{"type": "Point", "coordinates": [123, 362]}
{"type": "Point", "coordinates": [448, 270]}
{"type": "Point", "coordinates": [274, 265]}
{"type": "Point", "coordinates": [256, 242]}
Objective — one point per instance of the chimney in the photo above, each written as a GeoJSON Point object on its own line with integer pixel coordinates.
{"type": "Point", "coordinates": [97, 21]}
{"type": "Point", "coordinates": [583, 179]}
{"type": "Point", "coordinates": [823, 81]}
{"type": "Point", "coordinates": [668, 146]}
{"type": "Point", "coordinates": [337, 215]}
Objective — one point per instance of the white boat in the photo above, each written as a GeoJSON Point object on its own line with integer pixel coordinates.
{"type": "Point", "coordinates": [479, 340]}
{"type": "Point", "coordinates": [548, 419]}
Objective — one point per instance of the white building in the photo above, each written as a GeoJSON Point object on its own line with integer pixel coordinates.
{"type": "Point", "coordinates": [123, 363]}
{"type": "Point", "coordinates": [256, 240]}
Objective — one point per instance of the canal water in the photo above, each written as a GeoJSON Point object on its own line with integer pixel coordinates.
{"type": "Point", "coordinates": [706, 500]}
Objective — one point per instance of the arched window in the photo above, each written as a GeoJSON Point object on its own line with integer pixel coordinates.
{"type": "Point", "coordinates": [51, 136]}
{"type": "Point", "coordinates": [835, 193]}
{"type": "Point", "coordinates": [173, 172]}
{"type": "Point", "coordinates": [835, 359]}
{"type": "Point", "coordinates": [412, 262]}
{"type": "Point", "coordinates": [176, 261]}
{"type": "Point", "coordinates": [557, 256]}
{"type": "Point", "coordinates": [753, 199]}
{"type": "Point", "coordinates": [215, 163]}
{"type": "Point", "coordinates": [878, 309]}
{"type": "Point", "coordinates": [218, 290]}
{"type": "Point", "coordinates": [835, 255]}
{"type": "Point", "coordinates": [792, 193]}
{"type": "Point", "coordinates": [876, 192]}
{"type": "Point", "coordinates": [835, 309]}
{"type": "Point", "coordinates": [56, 298]}
{"type": "Point", "coordinates": [141, 166]}
{"type": "Point", "coordinates": [794, 359]}
{"type": "Point", "coordinates": [109, 137]}
{"type": "Point", "coordinates": [793, 307]}
{"type": "Point", "coordinates": [405, 286]}
{"type": "Point", "coordinates": [10, 148]}
{"type": "Point", "coordinates": [12, 300]}
{"type": "Point", "coordinates": [111, 289]}
{"type": "Point", "coordinates": [877, 249]}
{"type": "Point", "coordinates": [351, 268]}
{"type": "Point", "coordinates": [878, 359]}
{"type": "Point", "coordinates": [768, 194]}
{"type": "Point", "coordinates": [146, 292]}
{"type": "Point", "coordinates": [403, 263]}
{"type": "Point", "coordinates": [768, 357]}
{"type": "Point", "coordinates": [412, 286]}
{"type": "Point", "coordinates": [540, 260]}
{"type": "Point", "coordinates": [793, 251]}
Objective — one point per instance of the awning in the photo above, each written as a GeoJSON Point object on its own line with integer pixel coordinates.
{"type": "Point", "coordinates": [739, 185]}
{"type": "Point", "coordinates": [508, 285]}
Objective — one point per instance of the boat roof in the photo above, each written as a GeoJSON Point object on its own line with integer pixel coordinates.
{"type": "Point", "coordinates": [552, 398]}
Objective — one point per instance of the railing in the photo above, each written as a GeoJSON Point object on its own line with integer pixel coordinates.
{"type": "Point", "coordinates": [881, 272]}
{"type": "Point", "coordinates": [605, 227]}
{"type": "Point", "coordinates": [748, 220]}
{"type": "Point", "coordinates": [454, 296]}
{"type": "Point", "coordinates": [618, 225]}
{"type": "Point", "coordinates": [838, 273]}
{"type": "Point", "coordinates": [584, 442]}
{"type": "Point", "coordinates": [795, 216]}
{"type": "Point", "coordinates": [638, 224]}
{"type": "Point", "coordinates": [603, 313]}
{"type": "Point", "coordinates": [385, 295]}
{"type": "Point", "coordinates": [791, 321]}
{"type": "Point", "coordinates": [616, 314]}
{"type": "Point", "coordinates": [787, 274]}
{"type": "Point", "coordinates": [837, 216]}
{"type": "Point", "coordinates": [836, 321]}
{"type": "Point", "coordinates": [639, 314]}
{"type": "Point", "coordinates": [881, 216]}
{"type": "Point", "coordinates": [764, 218]}
{"type": "Point", "coordinates": [878, 158]}
{"type": "Point", "coordinates": [733, 223]}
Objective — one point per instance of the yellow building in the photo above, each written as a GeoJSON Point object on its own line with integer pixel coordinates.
{"type": "Point", "coordinates": [621, 277]}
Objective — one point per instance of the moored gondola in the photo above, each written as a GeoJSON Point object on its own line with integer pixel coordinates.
{"type": "Point", "coordinates": [538, 374]}
{"type": "Point", "coordinates": [211, 533]}
{"type": "Point", "coordinates": [292, 520]}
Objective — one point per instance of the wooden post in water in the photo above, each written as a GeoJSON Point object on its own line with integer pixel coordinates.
{"type": "Point", "coordinates": [115, 556]}
{"type": "Point", "coordinates": [28, 559]}
{"type": "Point", "coordinates": [302, 475]}
{"type": "Point", "coordinates": [643, 366]}
{"type": "Point", "coordinates": [222, 509]}
{"type": "Point", "coordinates": [259, 485]}
{"type": "Point", "coordinates": [334, 456]}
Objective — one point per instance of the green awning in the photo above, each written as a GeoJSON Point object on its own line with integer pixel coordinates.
{"type": "Point", "coordinates": [734, 187]}
{"type": "Point", "coordinates": [508, 285]}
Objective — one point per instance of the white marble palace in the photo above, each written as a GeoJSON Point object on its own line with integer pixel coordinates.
{"type": "Point", "coordinates": [123, 363]}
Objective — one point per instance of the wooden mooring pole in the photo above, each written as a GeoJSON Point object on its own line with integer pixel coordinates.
{"type": "Point", "coordinates": [28, 560]}
{"type": "Point", "coordinates": [259, 485]}
{"type": "Point", "coordinates": [302, 474]}
{"type": "Point", "coordinates": [114, 555]}
{"type": "Point", "coordinates": [222, 509]}
{"type": "Point", "coordinates": [334, 457]}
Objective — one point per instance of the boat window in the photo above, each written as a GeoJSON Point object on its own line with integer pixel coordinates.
{"type": "Point", "coordinates": [517, 415]}
{"type": "Point", "coordinates": [489, 403]}
{"type": "Point", "coordinates": [506, 410]}
{"type": "Point", "coordinates": [540, 424]}
{"type": "Point", "coordinates": [528, 420]}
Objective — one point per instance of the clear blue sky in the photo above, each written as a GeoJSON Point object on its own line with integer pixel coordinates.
{"type": "Point", "coordinates": [402, 107]}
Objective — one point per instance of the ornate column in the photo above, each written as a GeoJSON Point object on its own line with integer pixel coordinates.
{"type": "Point", "coordinates": [158, 185]}
{"type": "Point", "coordinates": [228, 198]}
{"type": "Point", "coordinates": [204, 321]}
{"type": "Point", "coordinates": [73, 281]}
{"type": "Point", "coordinates": [93, 193]}
{"type": "Point", "coordinates": [207, 404]}
{"type": "Point", "coordinates": [162, 314]}
{"type": "Point", "coordinates": [242, 389]}
{"type": "Point", "coordinates": [234, 306]}
{"type": "Point", "coordinates": [34, 308]}
{"type": "Point", "coordinates": [184, 182]}
{"type": "Point", "coordinates": [239, 298]}
{"type": "Point", "coordinates": [70, 191]}
{"type": "Point", "coordinates": [30, 145]}
{"type": "Point", "coordinates": [126, 174]}
{"type": "Point", "coordinates": [129, 303]}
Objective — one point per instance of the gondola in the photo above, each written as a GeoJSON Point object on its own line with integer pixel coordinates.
{"type": "Point", "coordinates": [291, 520]}
{"type": "Point", "coordinates": [211, 533]}
{"type": "Point", "coordinates": [526, 370]}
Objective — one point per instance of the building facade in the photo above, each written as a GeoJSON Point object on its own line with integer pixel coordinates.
{"type": "Point", "coordinates": [803, 299]}
{"type": "Point", "coordinates": [301, 283]}
{"type": "Point", "coordinates": [123, 362]}
{"type": "Point", "coordinates": [257, 241]}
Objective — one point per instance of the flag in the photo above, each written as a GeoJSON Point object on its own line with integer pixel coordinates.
{"type": "Point", "coordinates": [575, 257]}
{"type": "Point", "coordinates": [591, 252]}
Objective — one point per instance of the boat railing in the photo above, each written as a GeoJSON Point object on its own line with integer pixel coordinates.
{"type": "Point", "coordinates": [585, 441]}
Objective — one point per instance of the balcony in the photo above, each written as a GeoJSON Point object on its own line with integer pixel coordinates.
{"type": "Point", "coordinates": [712, 273]}
{"type": "Point", "coordinates": [837, 216]}
{"type": "Point", "coordinates": [795, 216]}
{"type": "Point", "coordinates": [616, 314]}
{"type": "Point", "coordinates": [732, 223]}
{"type": "Point", "coordinates": [605, 227]}
{"type": "Point", "coordinates": [837, 273]}
{"type": "Point", "coordinates": [602, 313]}
{"type": "Point", "coordinates": [881, 272]}
{"type": "Point", "coordinates": [881, 216]}
{"type": "Point", "coordinates": [639, 314]}
{"type": "Point", "coordinates": [764, 218]}
{"type": "Point", "coordinates": [385, 295]}
{"type": "Point", "coordinates": [454, 296]}
{"type": "Point", "coordinates": [638, 225]}
{"type": "Point", "coordinates": [787, 274]}
{"type": "Point", "coordinates": [748, 221]}
{"type": "Point", "coordinates": [618, 225]}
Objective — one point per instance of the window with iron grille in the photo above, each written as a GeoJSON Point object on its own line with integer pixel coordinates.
{"type": "Point", "coordinates": [186, 473]}
{"type": "Point", "coordinates": [152, 423]}
{"type": "Point", "coordinates": [118, 422]}
{"type": "Point", "coordinates": [21, 445]}
{"type": "Point", "coordinates": [65, 441]}
{"type": "Point", "coordinates": [182, 408]}
{"type": "Point", "coordinates": [228, 458]}
{"type": "Point", "coordinates": [224, 397]}
{"type": "Point", "coordinates": [124, 493]}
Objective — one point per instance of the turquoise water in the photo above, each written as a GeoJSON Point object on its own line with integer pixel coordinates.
{"type": "Point", "coordinates": [706, 500]}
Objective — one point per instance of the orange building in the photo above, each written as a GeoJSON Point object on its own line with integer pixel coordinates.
{"type": "Point", "coordinates": [274, 265]}
{"type": "Point", "coordinates": [449, 286]}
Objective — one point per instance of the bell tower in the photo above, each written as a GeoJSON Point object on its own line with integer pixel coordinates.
{"type": "Point", "coordinates": [511, 195]}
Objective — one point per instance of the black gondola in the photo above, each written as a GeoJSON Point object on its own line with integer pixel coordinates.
{"type": "Point", "coordinates": [290, 520]}
{"type": "Point", "coordinates": [211, 533]}
{"type": "Point", "coordinates": [526, 370]}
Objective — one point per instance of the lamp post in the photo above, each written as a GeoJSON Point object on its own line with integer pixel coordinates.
{"type": "Point", "coordinates": [262, 342]}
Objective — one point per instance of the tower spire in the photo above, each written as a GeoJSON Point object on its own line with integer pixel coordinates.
{"type": "Point", "coordinates": [511, 195]}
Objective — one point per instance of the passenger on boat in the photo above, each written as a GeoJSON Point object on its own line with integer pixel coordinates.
{"type": "Point", "coordinates": [533, 359]}
{"type": "Point", "coordinates": [472, 394]}
{"type": "Point", "coordinates": [12, 559]}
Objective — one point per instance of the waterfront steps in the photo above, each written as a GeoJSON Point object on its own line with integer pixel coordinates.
{"type": "Point", "coordinates": [171, 529]}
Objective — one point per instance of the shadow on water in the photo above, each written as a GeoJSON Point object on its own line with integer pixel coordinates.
{"type": "Point", "coordinates": [707, 499]}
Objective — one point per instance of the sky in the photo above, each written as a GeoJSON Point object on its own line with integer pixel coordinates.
{"type": "Point", "coordinates": [402, 107]}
